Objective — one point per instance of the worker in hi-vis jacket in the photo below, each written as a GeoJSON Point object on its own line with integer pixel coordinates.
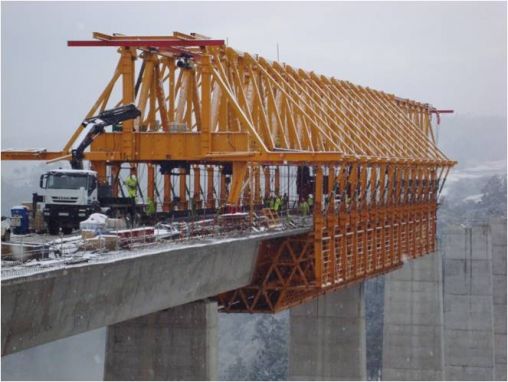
{"type": "Point", "coordinates": [132, 184]}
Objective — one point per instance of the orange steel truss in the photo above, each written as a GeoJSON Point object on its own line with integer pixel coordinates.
{"type": "Point", "coordinates": [364, 234]}
{"type": "Point", "coordinates": [230, 124]}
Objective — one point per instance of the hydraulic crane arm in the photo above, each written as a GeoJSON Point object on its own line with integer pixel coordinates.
{"type": "Point", "coordinates": [98, 123]}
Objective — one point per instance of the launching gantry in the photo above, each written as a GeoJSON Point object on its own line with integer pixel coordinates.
{"type": "Point", "coordinates": [229, 122]}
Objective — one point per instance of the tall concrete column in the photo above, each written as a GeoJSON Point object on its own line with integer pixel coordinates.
{"type": "Point", "coordinates": [498, 243]}
{"type": "Point", "coordinates": [175, 344]}
{"type": "Point", "coordinates": [412, 329]}
{"type": "Point", "coordinates": [327, 337]}
{"type": "Point", "coordinates": [468, 304]}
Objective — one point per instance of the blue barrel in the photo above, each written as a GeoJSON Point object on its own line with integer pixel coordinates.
{"type": "Point", "coordinates": [20, 220]}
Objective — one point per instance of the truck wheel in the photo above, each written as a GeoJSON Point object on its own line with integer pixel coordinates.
{"type": "Point", "coordinates": [67, 230]}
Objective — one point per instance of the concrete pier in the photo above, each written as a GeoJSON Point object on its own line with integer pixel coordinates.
{"type": "Point", "coordinates": [468, 304]}
{"type": "Point", "coordinates": [445, 314]}
{"type": "Point", "coordinates": [412, 331]}
{"type": "Point", "coordinates": [175, 344]}
{"type": "Point", "coordinates": [498, 247]}
{"type": "Point", "coordinates": [475, 301]}
{"type": "Point", "coordinates": [327, 337]}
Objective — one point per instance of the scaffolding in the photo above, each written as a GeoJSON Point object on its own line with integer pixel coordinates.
{"type": "Point", "coordinates": [225, 132]}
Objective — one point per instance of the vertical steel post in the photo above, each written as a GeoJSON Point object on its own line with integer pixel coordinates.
{"type": "Point", "coordinates": [183, 189]}
{"type": "Point", "coordinates": [150, 183]}
{"type": "Point", "coordinates": [277, 180]}
{"type": "Point", "coordinates": [128, 55]}
{"type": "Point", "coordinates": [206, 114]}
{"type": "Point", "coordinates": [197, 187]}
{"type": "Point", "coordinates": [266, 170]}
{"type": "Point", "coordinates": [318, 226]}
{"type": "Point", "coordinates": [210, 201]}
{"type": "Point", "coordinates": [166, 207]}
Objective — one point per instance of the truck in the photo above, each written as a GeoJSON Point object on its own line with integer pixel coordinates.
{"type": "Point", "coordinates": [69, 196]}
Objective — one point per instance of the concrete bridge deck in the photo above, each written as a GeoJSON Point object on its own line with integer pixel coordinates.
{"type": "Point", "coordinates": [43, 305]}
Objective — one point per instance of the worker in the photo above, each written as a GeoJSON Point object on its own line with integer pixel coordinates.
{"type": "Point", "coordinates": [150, 207]}
{"type": "Point", "coordinates": [272, 202]}
{"type": "Point", "coordinates": [132, 184]}
{"type": "Point", "coordinates": [277, 203]}
{"type": "Point", "coordinates": [310, 202]}
{"type": "Point", "coordinates": [304, 207]}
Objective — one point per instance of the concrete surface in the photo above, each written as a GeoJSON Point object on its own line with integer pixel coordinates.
{"type": "Point", "coordinates": [457, 332]}
{"type": "Point", "coordinates": [498, 248]}
{"type": "Point", "coordinates": [468, 308]}
{"type": "Point", "coordinates": [475, 302]}
{"type": "Point", "coordinates": [412, 331]}
{"type": "Point", "coordinates": [175, 344]}
{"type": "Point", "coordinates": [327, 337]}
{"type": "Point", "coordinates": [76, 358]}
{"type": "Point", "coordinates": [48, 306]}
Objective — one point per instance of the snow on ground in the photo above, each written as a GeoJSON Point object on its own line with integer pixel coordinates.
{"type": "Point", "coordinates": [473, 198]}
{"type": "Point", "coordinates": [480, 170]}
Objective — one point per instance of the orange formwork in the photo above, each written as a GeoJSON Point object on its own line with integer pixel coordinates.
{"type": "Point", "coordinates": [225, 128]}
{"type": "Point", "coordinates": [361, 234]}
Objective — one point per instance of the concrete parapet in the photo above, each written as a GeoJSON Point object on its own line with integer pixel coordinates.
{"type": "Point", "coordinates": [175, 344]}
{"type": "Point", "coordinates": [327, 337]}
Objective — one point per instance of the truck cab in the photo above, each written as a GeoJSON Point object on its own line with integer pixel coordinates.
{"type": "Point", "coordinates": [69, 196]}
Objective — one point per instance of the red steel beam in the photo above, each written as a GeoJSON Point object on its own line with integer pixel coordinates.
{"type": "Point", "coordinates": [442, 111]}
{"type": "Point", "coordinates": [151, 43]}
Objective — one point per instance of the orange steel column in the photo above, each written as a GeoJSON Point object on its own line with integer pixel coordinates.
{"type": "Point", "coordinates": [331, 225]}
{"type": "Point", "coordinates": [150, 183]}
{"type": "Point", "coordinates": [354, 217]}
{"type": "Point", "coordinates": [277, 180]}
{"type": "Point", "coordinates": [266, 170]}
{"type": "Point", "coordinates": [206, 115]}
{"type": "Point", "coordinates": [166, 206]}
{"type": "Point", "coordinates": [171, 90]}
{"type": "Point", "coordinates": [210, 202]}
{"type": "Point", "coordinates": [197, 187]}
{"type": "Point", "coordinates": [100, 167]}
{"type": "Point", "coordinates": [127, 70]}
{"type": "Point", "coordinates": [318, 226]}
{"type": "Point", "coordinates": [183, 189]}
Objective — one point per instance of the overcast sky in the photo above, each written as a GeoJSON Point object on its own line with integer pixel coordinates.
{"type": "Point", "coordinates": [452, 55]}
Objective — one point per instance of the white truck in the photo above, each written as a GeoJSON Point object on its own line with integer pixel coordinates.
{"type": "Point", "coordinates": [71, 196]}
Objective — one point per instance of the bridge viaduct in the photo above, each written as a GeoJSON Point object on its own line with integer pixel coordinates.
{"type": "Point", "coordinates": [228, 130]}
